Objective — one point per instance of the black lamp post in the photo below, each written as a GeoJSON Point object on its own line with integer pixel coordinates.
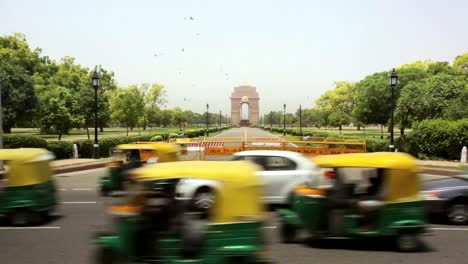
{"type": "Point", "coordinates": [207, 120]}
{"type": "Point", "coordinates": [393, 82]}
{"type": "Point", "coordinates": [96, 81]}
{"type": "Point", "coordinates": [300, 120]}
{"type": "Point", "coordinates": [271, 120]}
{"type": "Point", "coordinates": [284, 119]}
{"type": "Point", "coordinates": [219, 120]}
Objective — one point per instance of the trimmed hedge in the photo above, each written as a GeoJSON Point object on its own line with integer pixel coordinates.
{"type": "Point", "coordinates": [61, 149]}
{"type": "Point", "coordinates": [437, 139]}
{"type": "Point", "coordinates": [17, 141]}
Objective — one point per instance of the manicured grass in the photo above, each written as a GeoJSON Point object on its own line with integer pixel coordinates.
{"type": "Point", "coordinates": [77, 134]}
{"type": "Point", "coordinates": [352, 132]}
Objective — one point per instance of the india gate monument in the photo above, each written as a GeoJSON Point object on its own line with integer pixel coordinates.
{"type": "Point", "coordinates": [244, 106]}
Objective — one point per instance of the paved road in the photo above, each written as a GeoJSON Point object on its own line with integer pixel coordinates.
{"type": "Point", "coordinates": [66, 239]}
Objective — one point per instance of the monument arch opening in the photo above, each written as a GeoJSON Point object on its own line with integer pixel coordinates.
{"type": "Point", "coordinates": [245, 106]}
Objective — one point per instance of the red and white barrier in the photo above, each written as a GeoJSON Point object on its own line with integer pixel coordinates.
{"type": "Point", "coordinates": [201, 145]}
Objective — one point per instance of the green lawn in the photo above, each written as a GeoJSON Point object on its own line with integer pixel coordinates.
{"type": "Point", "coordinates": [368, 132]}
{"type": "Point", "coordinates": [77, 134]}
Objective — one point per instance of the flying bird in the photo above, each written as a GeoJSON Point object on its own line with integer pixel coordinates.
{"type": "Point", "coordinates": [191, 18]}
{"type": "Point", "coordinates": [182, 50]}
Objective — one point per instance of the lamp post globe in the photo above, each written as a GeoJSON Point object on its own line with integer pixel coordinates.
{"type": "Point", "coordinates": [393, 82]}
{"type": "Point", "coordinates": [96, 82]}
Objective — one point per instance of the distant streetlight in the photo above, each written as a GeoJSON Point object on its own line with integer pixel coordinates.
{"type": "Point", "coordinates": [393, 83]}
{"type": "Point", "coordinates": [96, 81]}
{"type": "Point", "coordinates": [300, 120]}
{"type": "Point", "coordinates": [271, 120]}
{"type": "Point", "coordinates": [284, 119]}
{"type": "Point", "coordinates": [219, 120]}
{"type": "Point", "coordinates": [207, 120]}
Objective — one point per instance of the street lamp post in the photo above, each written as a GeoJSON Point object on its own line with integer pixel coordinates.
{"type": "Point", "coordinates": [271, 120]}
{"type": "Point", "coordinates": [207, 120]}
{"type": "Point", "coordinates": [284, 119]}
{"type": "Point", "coordinates": [300, 120]}
{"type": "Point", "coordinates": [96, 81]}
{"type": "Point", "coordinates": [393, 82]}
{"type": "Point", "coordinates": [219, 120]}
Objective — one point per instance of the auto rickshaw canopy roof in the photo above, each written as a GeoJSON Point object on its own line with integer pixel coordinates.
{"type": "Point", "coordinates": [386, 160]}
{"type": "Point", "coordinates": [26, 154]}
{"type": "Point", "coordinates": [160, 146]}
{"type": "Point", "coordinates": [27, 166]}
{"type": "Point", "coordinates": [401, 178]}
{"type": "Point", "coordinates": [238, 196]}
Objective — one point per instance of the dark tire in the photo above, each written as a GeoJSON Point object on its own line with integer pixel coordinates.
{"type": "Point", "coordinates": [408, 242]}
{"type": "Point", "coordinates": [288, 233]}
{"type": "Point", "coordinates": [457, 214]}
{"type": "Point", "coordinates": [107, 256]}
{"type": "Point", "coordinates": [103, 191]}
{"type": "Point", "coordinates": [203, 201]}
{"type": "Point", "coordinates": [19, 217]}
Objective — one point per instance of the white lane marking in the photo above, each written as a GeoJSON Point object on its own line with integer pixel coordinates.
{"type": "Point", "coordinates": [62, 189]}
{"type": "Point", "coordinates": [449, 228]}
{"type": "Point", "coordinates": [82, 189]}
{"type": "Point", "coordinates": [269, 227]}
{"type": "Point", "coordinates": [30, 227]}
{"type": "Point", "coordinates": [78, 202]}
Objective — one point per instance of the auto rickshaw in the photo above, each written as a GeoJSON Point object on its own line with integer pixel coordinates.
{"type": "Point", "coordinates": [130, 156]}
{"type": "Point", "coordinates": [157, 223]}
{"type": "Point", "coordinates": [28, 192]}
{"type": "Point", "coordinates": [358, 196]}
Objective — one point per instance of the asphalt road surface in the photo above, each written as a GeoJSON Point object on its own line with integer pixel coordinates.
{"type": "Point", "coordinates": [67, 237]}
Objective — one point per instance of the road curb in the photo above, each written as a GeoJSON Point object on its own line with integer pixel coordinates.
{"type": "Point", "coordinates": [444, 172]}
{"type": "Point", "coordinates": [79, 168]}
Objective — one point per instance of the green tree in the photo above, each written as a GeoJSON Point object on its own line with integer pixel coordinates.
{"type": "Point", "coordinates": [56, 117]}
{"type": "Point", "coordinates": [18, 64]}
{"type": "Point", "coordinates": [167, 117]}
{"type": "Point", "coordinates": [127, 106]}
{"type": "Point", "coordinates": [338, 103]}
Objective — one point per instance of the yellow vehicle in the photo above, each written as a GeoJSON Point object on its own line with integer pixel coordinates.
{"type": "Point", "coordinates": [131, 156]}
{"type": "Point", "coordinates": [28, 190]}
{"type": "Point", "coordinates": [362, 195]}
{"type": "Point", "coordinates": [158, 222]}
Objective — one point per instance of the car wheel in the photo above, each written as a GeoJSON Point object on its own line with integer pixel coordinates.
{"type": "Point", "coordinates": [288, 233]}
{"type": "Point", "coordinates": [19, 217]}
{"type": "Point", "coordinates": [203, 200]}
{"type": "Point", "coordinates": [458, 214]}
{"type": "Point", "coordinates": [408, 242]}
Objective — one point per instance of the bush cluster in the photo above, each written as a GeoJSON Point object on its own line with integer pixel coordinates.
{"type": "Point", "coordinates": [436, 139]}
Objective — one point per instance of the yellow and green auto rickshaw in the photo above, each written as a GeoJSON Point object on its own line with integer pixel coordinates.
{"type": "Point", "coordinates": [28, 191]}
{"type": "Point", "coordinates": [159, 225]}
{"type": "Point", "coordinates": [130, 156]}
{"type": "Point", "coordinates": [360, 195]}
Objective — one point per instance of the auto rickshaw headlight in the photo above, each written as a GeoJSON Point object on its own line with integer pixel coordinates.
{"type": "Point", "coordinates": [431, 195]}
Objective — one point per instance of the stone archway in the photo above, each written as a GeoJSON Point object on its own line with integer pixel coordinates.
{"type": "Point", "coordinates": [245, 95]}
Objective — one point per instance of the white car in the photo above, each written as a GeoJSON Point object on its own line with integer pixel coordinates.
{"type": "Point", "coordinates": [282, 172]}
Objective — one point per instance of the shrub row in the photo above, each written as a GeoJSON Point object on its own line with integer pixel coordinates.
{"type": "Point", "coordinates": [436, 139]}
{"type": "Point", "coordinates": [64, 149]}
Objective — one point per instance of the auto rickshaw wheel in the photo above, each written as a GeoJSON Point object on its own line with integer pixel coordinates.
{"type": "Point", "coordinates": [288, 233]}
{"type": "Point", "coordinates": [458, 214]}
{"type": "Point", "coordinates": [107, 256]}
{"type": "Point", "coordinates": [408, 242]}
{"type": "Point", "coordinates": [103, 191]}
{"type": "Point", "coordinates": [19, 217]}
{"type": "Point", "coordinates": [204, 200]}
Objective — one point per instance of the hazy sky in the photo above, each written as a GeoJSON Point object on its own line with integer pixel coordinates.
{"type": "Point", "coordinates": [292, 51]}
